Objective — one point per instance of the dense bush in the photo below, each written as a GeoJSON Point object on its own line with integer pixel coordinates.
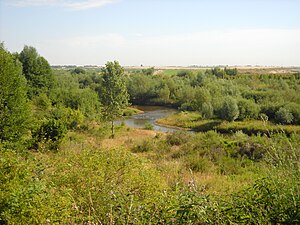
{"type": "Point", "coordinates": [271, 200]}
{"type": "Point", "coordinates": [248, 109]}
{"type": "Point", "coordinates": [178, 137]}
{"type": "Point", "coordinates": [49, 135]}
{"type": "Point", "coordinates": [229, 110]}
{"type": "Point", "coordinates": [284, 116]}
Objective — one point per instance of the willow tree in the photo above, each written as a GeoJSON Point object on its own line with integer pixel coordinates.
{"type": "Point", "coordinates": [114, 94]}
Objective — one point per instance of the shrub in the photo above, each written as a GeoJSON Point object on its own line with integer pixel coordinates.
{"type": "Point", "coordinates": [145, 146]}
{"type": "Point", "coordinates": [149, 126]}
{"type": "Point", "coordinates": [72, 119]}
{"type": "Point", "coordinates": [197, 163]}
{"type": "Point", "coordinates": [229, 110]}
{"type": "Point", "coordinates": [248, 109]}
{"type": "Point", "coordinates": [294, 109]}
{"type": "Point", "coordinates": [49, 133]}
{"type": "Point", "coordinates": [284, 116]}
{"type": "Point", "coordinates": [178, 138]}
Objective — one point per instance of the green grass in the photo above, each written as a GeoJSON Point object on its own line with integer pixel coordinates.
{"type": "Point", "coordinates": [192, 120]}
{"type": "Point", "coordinates": [129, 111]}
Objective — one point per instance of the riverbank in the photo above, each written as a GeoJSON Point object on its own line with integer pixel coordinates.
{"type": "Point", "coordinates": [193, 121]}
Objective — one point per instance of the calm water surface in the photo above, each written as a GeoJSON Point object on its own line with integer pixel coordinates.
{"type": "Point", "coordinates": [150, 115]}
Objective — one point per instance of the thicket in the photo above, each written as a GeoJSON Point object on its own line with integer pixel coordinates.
{"type": "Point", "coordinates": [221, 94]}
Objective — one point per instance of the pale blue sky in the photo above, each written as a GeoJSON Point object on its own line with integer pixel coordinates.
{"type": "Point", "coordinates": [155, 32]}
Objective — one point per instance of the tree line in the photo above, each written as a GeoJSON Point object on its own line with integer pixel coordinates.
{"type": "Point", "coordinates": [38, 106]}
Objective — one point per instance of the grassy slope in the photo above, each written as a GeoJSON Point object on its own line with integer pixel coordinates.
{"type": "Point", "coordinates": [139, 177]}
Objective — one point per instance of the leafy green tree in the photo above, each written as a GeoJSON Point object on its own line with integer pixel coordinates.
{"type": "Point", "coordinates": [284, 116]}
{"type": "Point", "coordinates": [49, 135]}
{"type": "Point", "coordinates": [114, 94]}
{"type": "Point", "coordinates": [164, 94]}
{"type": "Point", "coordinates": [202, 102]}
{"type": "Point", "coordinates": [294, 108]}
{"type": "Point", "coordinates": [141, 88]}
{"type": "Point", "coordinates": [37, 71]}
{"type": "Point", "coordinates": [14, 108]}
{"type": "Point", "coordinates": [78, 70]}
{"type": "Point", "coordinates": [149, 71]}
{"type": "Point", "coordinates": [248, 109]}
{"type": "Point", "coordinates": [230, 72]}
{"type": "Point", "coordinates": [229, 111]}
{"type": "Point", "coordinates": [184, 73]}
{"type": "Point", "coordinates": [218, 72]}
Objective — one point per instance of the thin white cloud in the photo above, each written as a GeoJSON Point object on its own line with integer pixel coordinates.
{"type": "Point", "coordinates": [83, 5]}
{"type": "Point", "coordinates": [26, 3]}
{"type": "Point", "coordinates": [67, 4]}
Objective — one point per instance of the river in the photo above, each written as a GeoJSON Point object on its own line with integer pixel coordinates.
{"type": "Point", "coordinates": [150, 115]}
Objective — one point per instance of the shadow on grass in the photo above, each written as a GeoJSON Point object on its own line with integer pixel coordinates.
{"type": "Point", "coordinates": [211, 125]}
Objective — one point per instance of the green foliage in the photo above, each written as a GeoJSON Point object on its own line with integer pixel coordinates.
{"type": "Point", "coordinates": [218, 72]}
{"type": "Point", "coordinates": [271, 200]}
{"type": "Point", "coordinates": [68, 94]}
{"type": "Point", "coordinates": [229, 110]}
{"type": "Point", "coordinates": [114, 96]}
{"type": "Point", "coordinates": [148, 71]}
{"type": "Point", "coordinates": [202, 103]}
{"type": "Point", "coordinates": [284, 116]}
{"type": "Point", "coordinates": [197, 163]}
{"type": "Point", "coordinates": [72, 119]}
{"type": "Point", "coordinates": [177, 178]}
{"type": "Point", "coordinates": [148, 126]}
{"type": "Point", "coordinates": [177, 138]}
{"type": "Point", "coordinates": [230, 72]}
{"type": "Point", "coordinates": [164, 94]}
{"type": "Point", "coordinates": [294, 109]}
{"type": "Point", "coordinates": [184, 73]}
{"type": "Point", "coordinates": [36, 70]}
{"type": "Point", "coordinates": [141, 88]}
{"type": "Point", "coordinates": [145, 146]}
{"type": "Point", "coordinates": [25, 196]}
{"type": "Point", "coordinates": [78, 70]}
{"type": "Point", "coordinates": [49, 135]}
{"type": "Point", "coordinates": [248, 109]}
{"type": "Point", "coordinates": [14, 108]}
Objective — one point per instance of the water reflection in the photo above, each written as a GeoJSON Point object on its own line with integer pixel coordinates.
{"type": "Point", "coordinates": [150, 115]}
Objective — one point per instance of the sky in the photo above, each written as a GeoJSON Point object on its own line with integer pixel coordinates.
{"type": "Point", "coordinates": [155, 32]}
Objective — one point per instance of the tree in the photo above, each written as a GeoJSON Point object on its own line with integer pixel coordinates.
{"type": "Point", "coordinates": [248, 109]}
{"type": "Point", "coordinates": [164, 93]}
{"type": "Point", "coordinates": [36, 70]}
{"type": "Point", "coordinates": [230, 72]}
{"type": "Point", "coordinates": [78, 70]}
{"type": "Point", "coordinates": [114, 94]}
{"type": "Point", "coordinates": [202, 103]}
{"type": "Point", "coordinates": [150, 71]}
{"type": "Point", "coordinates": [218, 72]}
{"type": "Point", "coordinates": [14, 109]}
{"type": "Point", "coordinates": [229, 111]}
{"type": "Point", "coordinates": [284, 116]}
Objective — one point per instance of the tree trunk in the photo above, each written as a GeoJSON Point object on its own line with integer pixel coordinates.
{"type": "Point", "coordinates": [112, 129]}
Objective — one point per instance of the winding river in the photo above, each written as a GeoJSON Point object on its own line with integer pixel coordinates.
{"type": "Point", "coordinates": [150, 115]}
